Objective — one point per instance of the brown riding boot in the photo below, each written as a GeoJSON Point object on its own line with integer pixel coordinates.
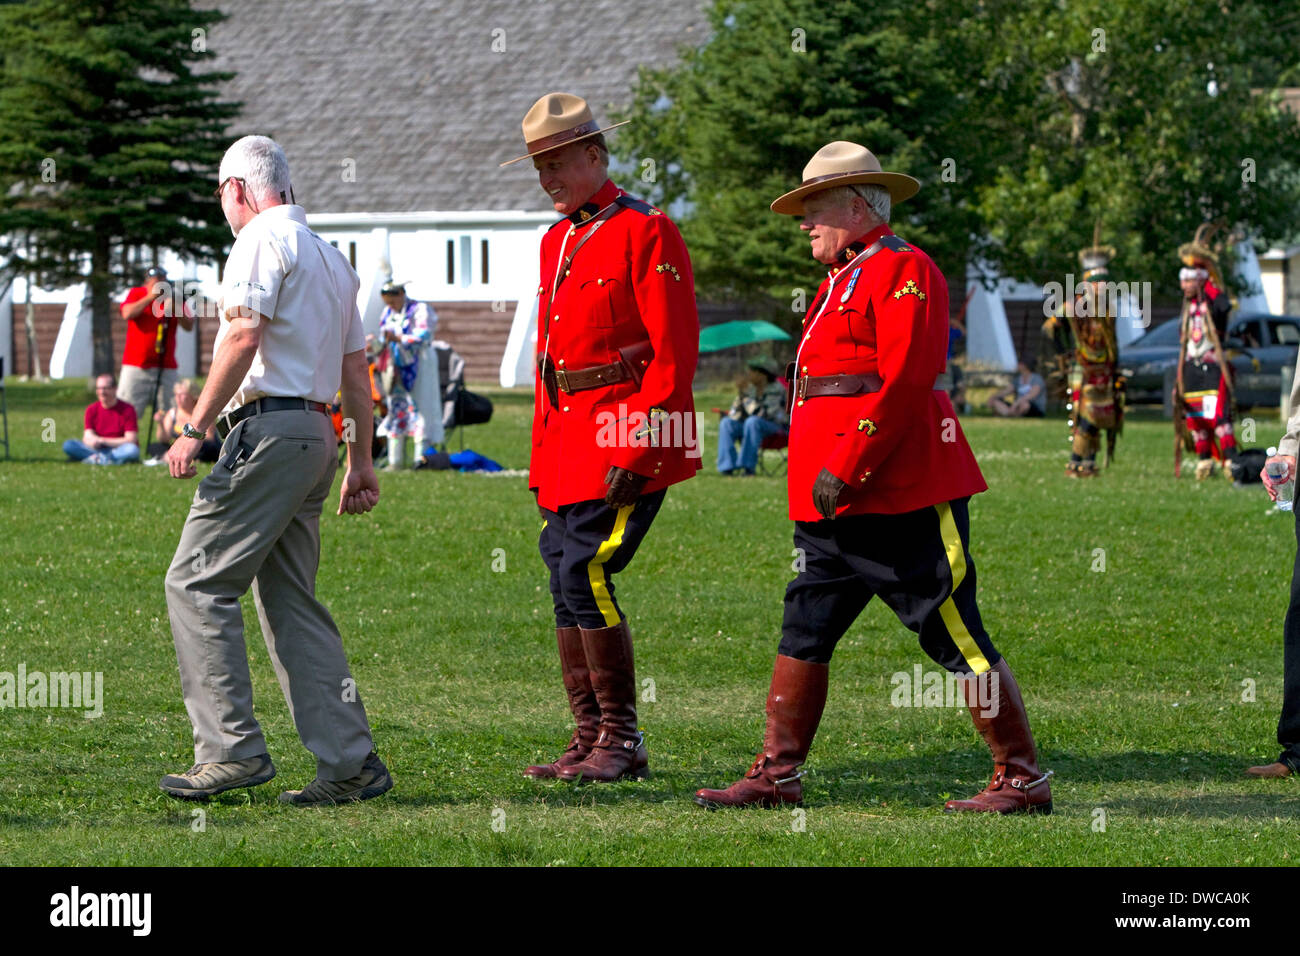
{"type": "Point", "coordinates": [1270, 771]}
{"type": "Point", "coordinates": [1018, 786]}
{"type": "Point", "coordinates": [794, 709]}
{"type": "Point", "coordinates": [582, 701]}
{"type": "Point", "coordinates": [618, 751]}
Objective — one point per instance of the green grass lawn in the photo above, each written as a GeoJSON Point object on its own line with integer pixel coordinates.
{"type": "Point", "coordinates": [1134, 675]}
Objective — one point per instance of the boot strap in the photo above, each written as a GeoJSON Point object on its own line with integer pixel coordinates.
{"type": "Point", "coordinates": [760, 762]}
{"type": "Point", "coordinates": [1022, 785]}
{"type": "Point", "coordinates": [604, 740]}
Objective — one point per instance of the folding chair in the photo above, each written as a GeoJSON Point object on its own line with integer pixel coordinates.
{"type": "Point", "coordinates": [778, 442]}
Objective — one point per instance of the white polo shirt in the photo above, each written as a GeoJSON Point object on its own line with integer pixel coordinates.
{"type": "Point", "coordinates": [308, 290]}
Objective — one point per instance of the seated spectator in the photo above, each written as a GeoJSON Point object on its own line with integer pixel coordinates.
{"type": "Point", "coordinates": [176, 417]}
{"type": "Point", "coordinates": [1025, 397]}
{"type": "Point", "coordinates": [758, 411]}
{"type": "Point", "coordinates": [111, 432]}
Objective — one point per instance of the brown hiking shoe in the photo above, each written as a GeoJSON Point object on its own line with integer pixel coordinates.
{"type": "Point", "coordinates": [373, 780]}
{"type": "Point", "coordinates": [205, 780]}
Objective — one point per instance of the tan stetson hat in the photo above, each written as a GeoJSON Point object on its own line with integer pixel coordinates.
{"type": "Point", "coordinates": [843, 164]}
{"type": "Point", "coordinates": [556, 120]}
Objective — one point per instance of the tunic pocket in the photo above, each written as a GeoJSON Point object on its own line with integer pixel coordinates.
{"type": "Point", "coordinates": [598, 296]}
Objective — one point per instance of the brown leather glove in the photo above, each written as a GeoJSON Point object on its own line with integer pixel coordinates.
{"type": "Point", "coordinates": [624, 487]}
{"type": "Point", "coordinates": [826, 494]}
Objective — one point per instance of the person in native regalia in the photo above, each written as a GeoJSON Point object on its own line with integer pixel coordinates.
{"type": "Point", "coordinates": [1087, 357]}
{"type": "Point", "coordinates": [1203, 393]}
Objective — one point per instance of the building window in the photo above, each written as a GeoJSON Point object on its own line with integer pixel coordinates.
{"type": "Point", "coordinates": [451, 262]}
{"type": "Point", "coordinates": [483, 264]}
{"type": "Point", "coordinates": [352, 255]}
{"type": "Point", "coordinates": [466, 265]}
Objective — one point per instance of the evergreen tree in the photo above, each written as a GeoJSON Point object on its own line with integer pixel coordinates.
{"type": "Point", "coordinates": [1027, 122]}
{"type": "Point", "coordinates": [112, 138]}
{"type": "Point", "coordinates": [733, 125]}
{"type": "Point", "coordinates": [1149, 117]}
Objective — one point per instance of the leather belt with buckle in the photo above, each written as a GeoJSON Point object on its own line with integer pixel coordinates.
{"type": "Point", "coordinates": [815, 386]}
{"type": "Point", "coordinates": [633, 360]}
{"type": "Point", "coordinates": [579, 380]}
{"type": "Point", "coordinates": [260, 405]}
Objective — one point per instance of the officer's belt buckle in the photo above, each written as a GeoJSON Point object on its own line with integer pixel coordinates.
{"type": "Point", "coordinates": [801, 386]}
{"type": "Point", "coordinates": [562, 381]}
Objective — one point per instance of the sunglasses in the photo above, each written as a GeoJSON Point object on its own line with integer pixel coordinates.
{"type": "Point", "coordinates": [238, 179]}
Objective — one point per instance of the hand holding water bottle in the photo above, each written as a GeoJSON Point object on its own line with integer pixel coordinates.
{"type": "Point", "coordinates": [1279, 478]}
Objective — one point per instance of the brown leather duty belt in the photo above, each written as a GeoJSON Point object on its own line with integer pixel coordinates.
{"type": "Point", "coordinates": [848, 383]}
{"type": "Point", "coordinates": [630, 367]}
{"type": "Point", "coordinates": [815, 386]}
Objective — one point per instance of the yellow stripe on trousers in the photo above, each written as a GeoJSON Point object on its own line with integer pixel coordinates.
{"type": "Point", "coordinates": [948, 610]}
{"type": "Point", "coordinates": [596, 568]}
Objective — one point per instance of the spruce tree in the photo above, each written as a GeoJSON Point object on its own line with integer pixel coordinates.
{"type": "Point", "coordinates": [113, 131]}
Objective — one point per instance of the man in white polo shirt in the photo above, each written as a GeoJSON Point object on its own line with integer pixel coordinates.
{"type": "Point", "coordinates": [290, 334]}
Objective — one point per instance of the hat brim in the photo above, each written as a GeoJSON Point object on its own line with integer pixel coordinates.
{"type": "Point", "coordinates": [550, 149]}
{"type": "Point", "coordinates": [900, 186]}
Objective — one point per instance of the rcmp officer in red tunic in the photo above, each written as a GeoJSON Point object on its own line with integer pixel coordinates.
{"type": "Point", "coordinates": [613, 425]}
{"type": "Point", "coordinates": [879, 479]}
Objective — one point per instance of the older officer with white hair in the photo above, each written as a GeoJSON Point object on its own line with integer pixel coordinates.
{"type": "Point", "coordinates": [290, 334]}
{"type": "Point", "coordinates": [879, 483]}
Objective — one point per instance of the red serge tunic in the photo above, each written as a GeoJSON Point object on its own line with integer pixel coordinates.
{"type": "Point", "coordinates": [898, 449]}
{"type": "Point", "coordinates": [630, 283]}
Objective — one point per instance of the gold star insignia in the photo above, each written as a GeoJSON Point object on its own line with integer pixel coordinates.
{"type": "Point", "coordinates": [868, 426]}
{"type": "Point", "coordinates": [666, 267]}
{"type": "Point", "coordinates": [909, 288]}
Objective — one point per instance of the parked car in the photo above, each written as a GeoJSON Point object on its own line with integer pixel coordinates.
{"type": "Point", "coordinates": [1258, 347]}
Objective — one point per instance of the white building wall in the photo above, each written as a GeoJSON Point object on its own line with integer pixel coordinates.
{"type": "Point", "coordinates": [6, 328]}
{"type": "Point", "coordinates": [414, 245]}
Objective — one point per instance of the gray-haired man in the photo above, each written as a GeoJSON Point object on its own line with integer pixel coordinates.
{"type": "Point", "coordinates": [290, 334]}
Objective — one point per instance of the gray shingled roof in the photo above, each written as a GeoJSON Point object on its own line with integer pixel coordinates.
{"type": "Point", "coordinates": [414, 93]}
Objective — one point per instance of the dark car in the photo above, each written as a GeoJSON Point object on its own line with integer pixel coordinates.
{"type": "Point", "coordinates": [1258, 347]}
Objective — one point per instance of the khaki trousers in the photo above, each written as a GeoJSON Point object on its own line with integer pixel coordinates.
{"type": "Point", "coordinates": [135, 387]}
{"type": "Point", "coordinates": [255, 521]}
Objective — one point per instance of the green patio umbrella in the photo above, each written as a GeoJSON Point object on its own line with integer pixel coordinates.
{"type": "Point", "coordinates": [728, 335]}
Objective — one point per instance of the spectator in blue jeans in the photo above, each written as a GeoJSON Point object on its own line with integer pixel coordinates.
{"type": "Point", "coordinates": [758, 411]}
{"type": "Point", "coordinates": [111, 432]}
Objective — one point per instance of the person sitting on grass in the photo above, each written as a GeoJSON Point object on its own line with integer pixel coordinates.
{"type": "Point", "coordinates": [172, 420]}
{"type": "Point", "coordinates": [111, 431]}
{"type": "Point", "coordinates": [758, 411]}
{"type": "Point", "coordinates": [1025, 397]}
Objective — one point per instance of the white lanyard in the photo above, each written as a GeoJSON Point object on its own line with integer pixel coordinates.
{"type": "Point", "coordinates": [825, 302]}
{"type": "Point", "coordinates": [555, 281]}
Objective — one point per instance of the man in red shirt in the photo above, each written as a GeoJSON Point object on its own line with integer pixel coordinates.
{"type": "Point", "coordinates": [149, 340]}
{"type": "Point", "coordinates": [111, 433]}
{"type": "Point", "coordinates": [614, 420]}
{"type": "Point", "coordinates": [879, 479]}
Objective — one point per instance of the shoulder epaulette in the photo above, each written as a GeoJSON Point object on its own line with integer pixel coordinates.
{"type": "Point", "coordinates": [640, 205]}
{"type": "Point", "coordinates": [895, 244]}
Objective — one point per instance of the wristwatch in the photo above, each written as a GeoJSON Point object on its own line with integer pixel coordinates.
{"type": "Point", "coordinates": [189, 431]}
